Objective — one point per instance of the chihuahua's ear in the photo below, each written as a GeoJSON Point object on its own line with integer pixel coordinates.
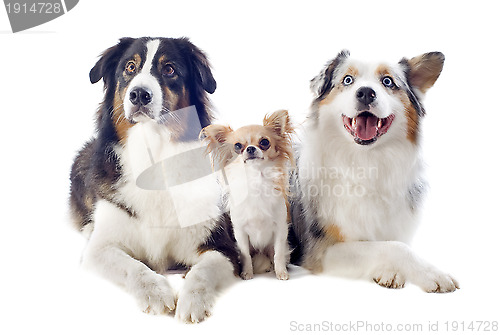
{"type": "Point", "coordinates": [280, 122]}
{"type": "Point", "coordinates": [216, 138]}
{"type": "Point", "coordinates": [215, 134]}
{"type": "Point", "coordinates": [424, 70]}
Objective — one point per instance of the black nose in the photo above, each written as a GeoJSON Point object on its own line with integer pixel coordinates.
{"type": "Point", "coordinates": [140, 95]}
{"type": "Point", "coordinates": [366, 95]}
{"type": "Point", "coordinates": [251, 150]}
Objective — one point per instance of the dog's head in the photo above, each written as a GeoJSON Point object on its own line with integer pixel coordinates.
{"type": "Point", "coordinates": [371, 100]}
{"type": "Point", "coordinates": [269, 142]}
{"type": "Point", "coordinates": [148, 78]}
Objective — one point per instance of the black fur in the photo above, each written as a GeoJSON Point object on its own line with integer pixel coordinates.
{"type": "Point", "coordinates": [222, 240]}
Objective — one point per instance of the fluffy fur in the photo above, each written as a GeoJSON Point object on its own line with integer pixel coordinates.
{"type": "Point", "coordinates": [134, 233]}
{"type": "Point", "coordinates": [359, 172]}
{"type": "Point", "coordinates": [255, 161]}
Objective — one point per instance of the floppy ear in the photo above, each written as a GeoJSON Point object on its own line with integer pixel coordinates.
{"type": "Point", "coordinates": [106, 65]}
{"type": "Point", "coordinates": [322, 84]}
{"type": "Point", "coordinates": [424, 70]}
{"type": "Point", "coordinates": [216, 138]}
{"type": "Point", "coordinates": [280, 123]}
{"type": "Point", "coordinates": [201, 68]}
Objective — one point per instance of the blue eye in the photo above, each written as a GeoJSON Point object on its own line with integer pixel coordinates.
{"type": "Point", "coordinates": [348, 80]}
{"type": "Point", "coordinates": [388, 82]}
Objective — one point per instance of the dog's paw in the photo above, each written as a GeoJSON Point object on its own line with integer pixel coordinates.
{"type": "Point", "coordinates": [282, 275]}
{"type": "Point", "coordinates": [246, 275]}
{"type": "Point", "coordinates": [154, 294]}
{"type": "Point", "coordinates": [435, 281]}
{"type": "Point", "coordinates": [390, 279]}
{"type": "Point", "coordinates": [194, 306]}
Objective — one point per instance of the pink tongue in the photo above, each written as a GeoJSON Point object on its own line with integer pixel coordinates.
{"type": "Point", "coordinates": [366, 127]}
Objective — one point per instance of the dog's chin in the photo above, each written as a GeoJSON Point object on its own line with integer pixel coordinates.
{"type": "Point", "coordinates": [140, 114]}
{"type": "Point", "coordinates": [253, 160]}
{"type": "Point", "coordinates": [366, 128]}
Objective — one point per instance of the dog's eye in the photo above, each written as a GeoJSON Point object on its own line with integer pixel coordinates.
{"type": "Point", "coordinates": [238, 147]}
{"type": "Point", "coordinates": [388, 82]}
{"type": "Point", "coordinates": [168, 71]}
{"type": "Point", "coordinates": [130, 68]}
{"type": "Point", "coordinates": [348, 80]}
{"type": "Point", "coordinates": [264, 144]}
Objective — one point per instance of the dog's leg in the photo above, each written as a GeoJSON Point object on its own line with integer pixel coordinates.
{"type": "Point", "coordinates": [388, 263]}
{"type": "Point", "coordinates": [210, 275]}
{"type": "Point", "coordinates": [107, 257]}
{"type": "Point", "coordinates": [244, 245]}
{"type": "Point", "coordinates": [281, 252]}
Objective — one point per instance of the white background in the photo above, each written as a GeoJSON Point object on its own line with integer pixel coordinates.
{"type": "Point", "coordinates": [263, 55]}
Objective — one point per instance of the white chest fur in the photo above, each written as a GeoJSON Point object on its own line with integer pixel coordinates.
{"type": "Point", "coordinates": [255, 203]}
{"type": "Point", "coordinates": [362, 191]}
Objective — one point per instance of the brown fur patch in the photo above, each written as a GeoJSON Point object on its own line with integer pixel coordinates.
{"type": "Point", "coordinates": [334, 234]}
{"type": "Point", "coordinates": [122, 125]}
{"type": "Point", "coordinates": [412, 118]}
{"type": "Point", "coordinates": [382, 71]}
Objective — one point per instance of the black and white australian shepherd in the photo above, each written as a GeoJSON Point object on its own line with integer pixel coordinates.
{"type": "Point", "coordinates": [130, 192]}
{"type": "Point", "coordinates": [359, 172]}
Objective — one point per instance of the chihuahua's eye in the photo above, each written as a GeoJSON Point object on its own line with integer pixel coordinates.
{"type": "Point", "coordinates": [388, 82]}
{"type": "Point", "coordinates": [130, 68]}
{"type": "Point", "coordinates": [264, 144]}
{"type": "Point", "coordinates": [348, 80]}
{"type": "Point", "coordinates": [238, 147]}
{"type": "Point", "coordinates": [168, 71]}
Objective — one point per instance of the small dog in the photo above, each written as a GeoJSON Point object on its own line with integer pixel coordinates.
{"type": "Point", "coordinates": [137, 229]}
{"type": "Point", "coordinates": [359, 172]}
{"type": "Point", "coordinates": [255, 161]}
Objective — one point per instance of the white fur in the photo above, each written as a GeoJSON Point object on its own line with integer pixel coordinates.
{"type": "Point", "coordinates": [364, 190]}
{"type": "Point", "coordinates": [120, 246]}
{"type": "Point", "coordinates": [258, 213]}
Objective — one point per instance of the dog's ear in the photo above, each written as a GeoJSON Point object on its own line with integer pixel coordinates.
{"type": "Point", "coordinates": [215, 133]}
{"type": "Point", "coordinates": [201, 67]}
{"type": "Point", "coordinates": [216, 137]}
{"type": "Point", "coordinates": [424, 70]}
{"type": "Point", "coordinates": [322, 84]}
{"type": "Point", "coordinates": [279, 122]}
{"type": "Point", "coordinates": [106, 65]}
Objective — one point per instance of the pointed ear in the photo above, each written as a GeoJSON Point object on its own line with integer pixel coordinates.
{"type": "Point", "coordinates": [216, 137]}
{"type": "Point", "coordinates": [280, 122]}
{"type": "Point", "coordinates": [322, 84]}
{"type": "Point", "coordinates": [424, 70]}
{"type": "Point", "coordinates": [216, 133]}
{"type": "Point", "coordinates": [108, 62]}
{"type": "Point", "coordinates": [201, 67]}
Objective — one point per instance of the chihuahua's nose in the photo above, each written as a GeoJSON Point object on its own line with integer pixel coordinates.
{"type": "Point", "coordinates": [251, 150]}
{"type": "Point", "coordinates": [140, 96]}
{"type": "Point", "coordinates": [365, 95]}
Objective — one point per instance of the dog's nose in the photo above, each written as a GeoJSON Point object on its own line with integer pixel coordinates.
{"type": "Point", "coordinates": [366, 95]}
{"type": "Point", "coordinates": [251, 150]}
{"type": "Point", "coordinates": [140, 95]}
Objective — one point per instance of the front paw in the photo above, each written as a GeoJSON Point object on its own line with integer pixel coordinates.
{"type": "Point", "coordinates": [390, 279]}
{"type": "Point", "coordinates": [154, 294]}
{"type": "Point", "coordinates": [246, 275]}
{"type": "Point", "coordinates": [282, 275]}
{"type": "Point", "coordinates": [435, 281]}
{"type": "Point", "coordinates": [195, 305]}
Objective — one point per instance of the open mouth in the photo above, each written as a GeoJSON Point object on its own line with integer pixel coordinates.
{"type": "Point", "coordinates": [366, 128]}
